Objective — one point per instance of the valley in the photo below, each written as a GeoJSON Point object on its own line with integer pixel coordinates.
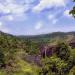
{"type": "Point", "coordinates": [47, 54]}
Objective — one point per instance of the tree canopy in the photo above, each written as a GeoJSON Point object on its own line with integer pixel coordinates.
{"type": "Point", "coordinates": [73, 11]}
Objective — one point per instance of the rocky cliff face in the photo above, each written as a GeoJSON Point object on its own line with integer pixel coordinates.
{"type": "Point", "coordinates": [48, 50]}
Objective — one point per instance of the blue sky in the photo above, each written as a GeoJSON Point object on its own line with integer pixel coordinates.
{"type": "Point", "coordinates": [33, 17]}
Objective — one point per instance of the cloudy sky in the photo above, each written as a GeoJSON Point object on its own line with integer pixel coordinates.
{"type": "Point", "coordinates": [32, 17]}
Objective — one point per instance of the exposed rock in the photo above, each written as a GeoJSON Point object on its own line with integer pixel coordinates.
{"type": "Point", "coordinates": [48, 50]}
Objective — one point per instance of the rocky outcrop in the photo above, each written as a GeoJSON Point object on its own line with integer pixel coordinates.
{"type": "Point", "coordinates": [33, 59]}
{"type": "Point", "coordinates": [48, 50]}
{"type": "Point", "coordinates": [72, 43]}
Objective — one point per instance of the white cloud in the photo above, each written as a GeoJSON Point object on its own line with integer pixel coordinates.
{"type": "Point", "coordinates": [39, 25]}
{"type": "Point", "coordinates": [51, 16]}
{"type": "Point", "coordinates": [66, 13]}
{"type": "Point", "coordinates": [11, 7]}
{"type": "Point", "coordinates": [54, 21]}
{"type": "Point", "coordinates": [1, 24]}
{"type": "Point", "coordinates": [48, 4]}
{"type": "Point", "coordinates": [10, 17]}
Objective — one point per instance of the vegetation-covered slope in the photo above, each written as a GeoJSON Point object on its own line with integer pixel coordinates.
{"type": "Point", "coordinates": [21, 55]}
{"type": "Point", "coordinates": [12, 51]}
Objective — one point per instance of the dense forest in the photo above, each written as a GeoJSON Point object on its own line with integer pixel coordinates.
{"type": "Point", "coordinates": [37, 55]}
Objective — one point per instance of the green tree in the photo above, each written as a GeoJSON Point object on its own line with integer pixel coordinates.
{"type": "Point", "coordinates": [53, 66]}
{"type": "Point", "coordinates": [72, 71]}
{"type": "Point", "coordinates": [73, 11]}
{"type": "Point", "coordinates": [64, 51]}
{"type": "Point", "coordinates": [1, 58]}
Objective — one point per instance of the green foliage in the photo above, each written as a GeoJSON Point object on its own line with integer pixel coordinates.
{"type": "Point", "coordinates": [1, 57]}
{"type": "Point", "coordinates": [73, 55]}
{"type": "Point", "coordinates": [54, 65]}
{"type": "Point", "coordinates": [14, 49]}
{"type": "Point", "coordinates": [60, 63]}
{"type": "Point", "coordinates": [22, 68]}
{"type": "Point", "coordinates": [64, 51]}
{"type": "Point", "coordinates": [72, 71]}
{"type": "Point", "coordinates": [2, 72]}
{"type": "Point", "coordinates": [73, 11]}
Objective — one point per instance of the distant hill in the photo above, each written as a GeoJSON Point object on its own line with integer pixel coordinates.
{"type": "Point", "coordinates": [54, 34]}
{"type": "Point", "coordinates": [51, 36]}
